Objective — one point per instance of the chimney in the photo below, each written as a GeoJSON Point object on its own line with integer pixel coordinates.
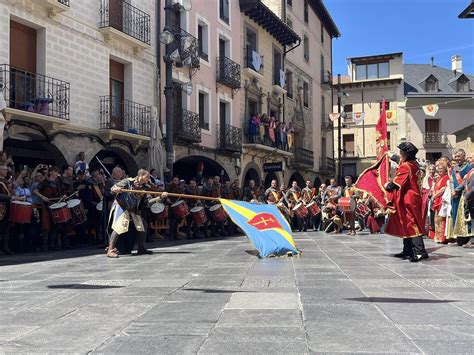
{"type": "Point", "coordinates": [432, 61]}
{"type": "Point", "coordinates": [456, 63]}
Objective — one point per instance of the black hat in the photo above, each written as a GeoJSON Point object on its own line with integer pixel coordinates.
{"type": "Point", "coordinates": [409, 149]}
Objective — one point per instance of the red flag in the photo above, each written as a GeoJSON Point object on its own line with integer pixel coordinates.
{"type": "Point", "coordinates": [381, 127]}
{"type": "Point", "coordinates": [373, 180]}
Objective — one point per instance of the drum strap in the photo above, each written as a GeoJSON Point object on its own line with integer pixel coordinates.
{"type": "Point", "coordinates": [98, 192]}
{"type": "Point", "coordinates": [6, 188]}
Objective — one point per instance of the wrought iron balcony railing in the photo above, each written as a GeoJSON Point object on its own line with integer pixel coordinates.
{"type": "Point", "coordinates": [124, 115]}
{"type": "Point", "coordinates": [304, 156]}
{"type": "Point", "coordinates": [124, 17]}
{"type": "Point", "coordinates": [253, 60]}
{"type": "Point", "coordinates": [188, 47]}
{"type": "Point", "coordinates": [228, 72]}
{"type": "Point", "coordinates": [34, 92]}
{"type": "Point", "coordinates": [64, 2]}
{"type": "Point", "coordinates": [187, 126]}
{"type": "Point", "coordinates": [435, 138]}
{"type": "Point", "coordinates": [327, 164]}
{"type": "Point", "coordinates": [252, 136]}
{"type": "Point", "coordinates": [230, 138]}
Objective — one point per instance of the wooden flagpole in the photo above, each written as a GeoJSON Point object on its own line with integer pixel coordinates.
{"type": "Point", "coordinates": [195, 197]}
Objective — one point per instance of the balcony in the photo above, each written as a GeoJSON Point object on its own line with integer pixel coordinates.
{"type": "Point", "coordinates": [34, 97]}
{"type": "Point", "coordinates": [435, 139]}
{"type": "Point", "coordinates": [253, 141]}
{"type": "Point", "coordinates": [230, 138]}
{"type": "Point", "coordinates": [327, 165]}
{"type": "Point", "coordinates": [303, 157]}
{"type": "Point", "coordinates": [124, 23]}
{"type": "Point", "coordinates": [187, 128]}
{"type": "Point", "coordinates": [253, 63]}
{"type": "Point", "coordinates": [125, 116]}
{"type": "Point", "coordinates": [326, 123]}
{"type": "Point", "coordinates": [326, 79]}
{"type": "Point", "coordinates": [189, 53]}
{"type": "Point", "coordinates": [228, 72]}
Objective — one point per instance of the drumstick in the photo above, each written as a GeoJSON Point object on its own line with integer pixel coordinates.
{"type": "Point", "coordinates": [195, 197]}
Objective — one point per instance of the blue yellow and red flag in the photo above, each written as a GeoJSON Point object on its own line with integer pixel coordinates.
{"type": "Point", "coordinates": [265, 226]}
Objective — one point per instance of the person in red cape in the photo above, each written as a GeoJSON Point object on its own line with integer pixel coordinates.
{"type": "Point", "coordinates": [406, 220]}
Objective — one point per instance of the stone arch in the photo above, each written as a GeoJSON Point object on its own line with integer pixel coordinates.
{"type": "Point", "coordinates": [268, 179]}
{"type": "Point", "coordinates": [187, 168]}
{"type": "Point", "coordinates": [299, 179]}
{"type": "Point", "coordinates": [317, 182]}
{"type": "Point", "coordinates": [112, 157]}
{"type": "Point", "coordinates": [252, 172]}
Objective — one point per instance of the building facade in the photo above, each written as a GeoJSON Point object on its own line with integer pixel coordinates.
{"type": "Point", "coordinates": [78, 76]}
{"type": "Point", "coordinates": [207, 128]}
{"type": "Point", "coordinates": [370, 79]}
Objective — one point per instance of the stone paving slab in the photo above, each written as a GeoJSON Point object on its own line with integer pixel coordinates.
{"type": "Point", "coordinates": [345, 294]}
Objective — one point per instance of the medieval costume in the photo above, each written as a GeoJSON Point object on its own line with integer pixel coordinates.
{"type": "Point", "coordinates": [440, 221]}
{"type": "Point", "coordinates": [406, 218]}
{"type": "Point", "coordinates": [458, 209]}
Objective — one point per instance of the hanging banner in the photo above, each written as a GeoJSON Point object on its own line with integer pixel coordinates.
{"type": "Point", "coordinates": [391, 115]}
{"type": "Point", "coordinates": [334, 116]}
{"type": "Point", "coordinates": [431, 110]}
{"type": "Point", "coordinates": [358, 117]}
{"type": "Point", "coordinates": [282, 79]}
{"type": "Point", "coordinates": [256, 61]}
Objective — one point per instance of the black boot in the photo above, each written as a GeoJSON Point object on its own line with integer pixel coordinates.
{"type": "Point", "coordinates": [407, 249]}
{"type": "Point", "coordinates": [419, 251]}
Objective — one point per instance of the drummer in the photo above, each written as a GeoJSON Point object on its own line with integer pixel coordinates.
{"type": "Point", "coordinates": [84, 192]}
{"type": "Point", "coordinates": [67, 179]}
{"type": "Point", "coordinates": [320, 199]}
{"type": "Point", "coordinates": [308, 193]}
{"type": "Point", "coordinates": [192, 189]}
{"type": "Point", "coordinates": [175, 188]}
{"type": "Point", "coordinates": [294, 196]}
{"type": "Point", "coordinates": [228, 193]}
{"type": "Point", "coordinates": [130, 221]}
{"type": "Point", "coordinates": [24, 231]}
{"type": "Point", "coordinates": [237, 191]}
{"type": "Point", "coordinates": [349, 191]}
{"type": "Point", "coordinates": [50, 190]}
{"type": "Point", "coordinates": [6, 197]}
{"type": "Point", "coordinates": [210, 191]}
{"type": "Point", "coordinates": [271, 194]}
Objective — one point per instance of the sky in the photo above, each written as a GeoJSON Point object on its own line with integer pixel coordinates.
{"type": "Point", "coordinates": [418, 28]}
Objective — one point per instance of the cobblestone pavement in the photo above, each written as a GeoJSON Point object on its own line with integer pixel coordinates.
{"type": "Point", "coordinates": [345, 294]}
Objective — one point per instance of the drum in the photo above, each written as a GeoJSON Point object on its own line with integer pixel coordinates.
{"type": "Point", "coordinates": [180, 209]}
{"type": "Point", "coordinates": [20, 212]}
{"type": "Point", "coordinates": [60, 212]}
{"type": "Point", "coordinates": [362, 210]}
{"type": "Point", "coordinates": [100, 206]}
{"type": "Point", "coordinates": [199, 215]}
{"type": "Point", "coordinates": [159, 211]}
{"type": "Point", "coordinates": [78, 213]}
{"type": "Point", "coordinates": [217, 213]}
{"type": "Point", "coordinates": [313, 208]}
{"type": "Point", "coordinates": [300, 210]}
{"type": "Point", "coordinates": [126, 200]}
{"type": "Point", "coordinates": [346, 204]}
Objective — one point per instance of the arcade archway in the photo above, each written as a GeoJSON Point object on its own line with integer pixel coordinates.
{"type": "Point", "coordinates": [113, 157]}
{"type": "Point", "coordinates": [198, 167]}
{"type": "Point", "coordinates": [268, 179]}
{"type": "Point", "coordinates": [317, 182]}
{"type": "Point", "coordinates": [298, 178]}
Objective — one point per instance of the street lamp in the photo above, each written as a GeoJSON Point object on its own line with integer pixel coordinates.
{"type": "Point", "coordinates": [340, 95]}
{"type": "Point", "coordinates": [172, 54]}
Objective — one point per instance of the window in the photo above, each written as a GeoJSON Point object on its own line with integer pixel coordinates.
{"type": "Point", "coordinates": [224, 10]}
{"type": "Point", "coordinates": [289, 22]}
{"type": "Point", "coordinates": [203, 44]}
{"type": "Point", "coordinates": [348, 144]}
{"type": "Point", "coordinates": [116, 80]}
{"type": "Point", "coordinates": [306, 47]}
{"type": "Point", "coordinates": [305, 94]}
{"type": "Point", "coordinates": [289, 84]}
{"type": "Point", "coordinates": [431, 126]}
{"type": "Point", "coordinates": [322, 70]}
{"type": "Point", "coordinates": [289, 3]}
{"type": "Point", "coordinates": [348, 110]}
{"type": "Point", "coordinates": [463, 85]}
{"type": "Point", "coordinates": [203, 110]}
{"type": "Point", "coordinates": [372, 71]}
{"type": "Point", "coordinates": [251, 46]}
{"type": "Point", "coordinates": [224, 113]}
{"type": "Point", "coordinates": [323, 107]}
{"type": "Point", "coordinates": [387, 106]}
{"type": "Point", "coordinates": [277, 65]}
{"type": "Point", "coordinates": [306, 14]}
{"type": "Point", "coordinates": [431, 84]}
{"type": "Point", "coordinates": [322, 33]}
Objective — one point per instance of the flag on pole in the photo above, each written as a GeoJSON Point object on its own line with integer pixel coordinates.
{"type": "Point", "coordinates": [381, 128]}
{"type": "Point", "coordinates": [334, 116]}
{"type": "Point", "coordinates": [265, 226]}
{"type": "Point", "coordinates": [431, 110]}
{"type": "Point", "coordinates": [358, 117]}
{"type": "Point", "coordinates": [373, 180]}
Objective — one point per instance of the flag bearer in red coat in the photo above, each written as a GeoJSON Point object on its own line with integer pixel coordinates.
{"type": "Point", "coordinates": [406, 221]}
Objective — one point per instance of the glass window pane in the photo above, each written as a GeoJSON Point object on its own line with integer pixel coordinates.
{"type": "Point", "coordinates": [384, 70]}
{"type": "Point", "coordinates": [372, 71]}
{"type": "Point", "coordinates": [360, 72]}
